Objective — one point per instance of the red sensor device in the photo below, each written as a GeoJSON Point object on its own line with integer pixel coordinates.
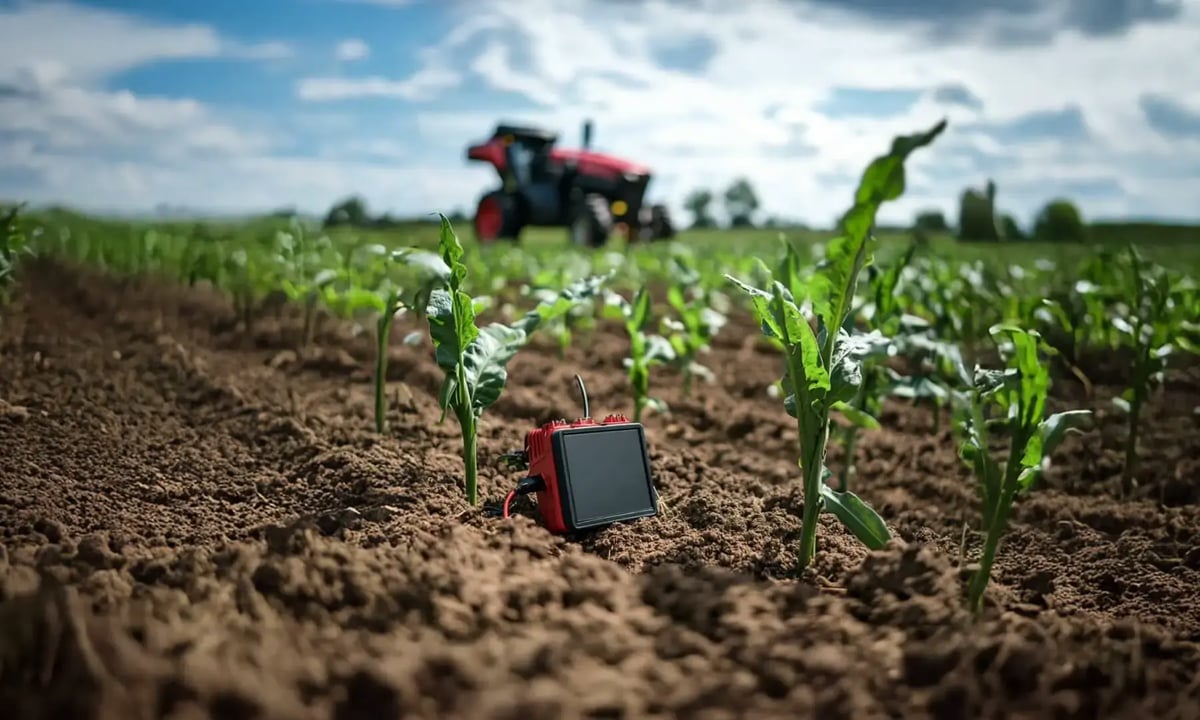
{"type": "Point", "coordinates": [589, 474]}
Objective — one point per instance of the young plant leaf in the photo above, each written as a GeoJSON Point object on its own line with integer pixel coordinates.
{"type": "Point", "coordinates": [858, 517]}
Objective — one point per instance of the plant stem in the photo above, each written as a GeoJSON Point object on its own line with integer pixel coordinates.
{"type": "Point", "coordinates": [997, 522]}
{"type": "Point", "coordinates": [310, 307]}
{"type": "Point", "coordinates": [470, 459]}
{"type": "Point", "coordinates": [383, 329]}
{"type": "Point", "coordinates": [467, 422]}
{"type": "Point", "coordinates": [813, 466]}
{"type": "Point", "coordinates": [996, 527]}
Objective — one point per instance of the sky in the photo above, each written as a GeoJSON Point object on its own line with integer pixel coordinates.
{"type": "Point", "coordinates": [237, 106]}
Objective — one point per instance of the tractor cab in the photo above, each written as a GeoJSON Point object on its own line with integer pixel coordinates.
{"type": "Point", "coordinates": [520, 154]}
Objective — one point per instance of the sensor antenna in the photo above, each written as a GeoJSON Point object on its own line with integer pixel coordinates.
{"type": "Point", "coordinates": [587, 410]}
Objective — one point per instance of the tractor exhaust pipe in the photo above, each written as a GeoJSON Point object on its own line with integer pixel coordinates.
{"type": "Point", "coordinates": [587, 134]}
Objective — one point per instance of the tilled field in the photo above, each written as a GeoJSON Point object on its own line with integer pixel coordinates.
{"type": "Point", "coordinates": [197, 521]}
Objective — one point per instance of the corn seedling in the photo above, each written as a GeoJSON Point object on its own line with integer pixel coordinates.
{"type": "Point", "coordinates": [1020, 391]}
{"type": "Point", "coordinates": [696, 324]}
{"type": "Point", "coordinates": [1150, 328]}
{"type": "Point", "coordinates": [645, 349]}
{"type": "Point", "coordinates": [304, 273]}
{"type": "Point", "coordinates": [474, 359]}
{"type": "Point", "coordinates": [13, 244]}
{"type": "Point", "coordinates": [885, 316]}
{"type": "Point", "coordinates": [823, 369]}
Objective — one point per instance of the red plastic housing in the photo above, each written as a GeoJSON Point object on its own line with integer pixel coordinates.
{"type": "Point", "coordinates": [540, 450]}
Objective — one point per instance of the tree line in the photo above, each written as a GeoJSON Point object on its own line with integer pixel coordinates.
{"type": "Point", "coordinates": [979, 220]}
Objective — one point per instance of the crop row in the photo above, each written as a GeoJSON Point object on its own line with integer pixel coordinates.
{"type": "Point", "coordinates": [842, 326]}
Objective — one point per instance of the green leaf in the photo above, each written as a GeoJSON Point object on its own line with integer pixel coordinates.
{"type": "Point", "coordinates": [914, 388]}
{"type": "Point", "coordinates": [1042, 443]}
{"type": "Point", "coordinates": [639, 318]}
{"type": "Point", "coordinates": [1051, 432]}
{"type": "Point", "coordinates": [325, 277]}
{"type": "Point", "coordinates": [858, 517]}
{"type": "Point", "coordinates": [428, 264]}
{"type": "Point", "coordinates": [658, 350]}
{"type": "Point", "coordinates": [564, 301]}
{"type": "Point", "coordinates": [485, 363]}
{"type": "Point", "coordinates": [847, 366]}
{"type": "Point", "coordinates": [451, 317]}
{"type": "Point", "coordinates": [886, 303]}
{"type": "Point", "coordinates": [801, 344]}
{"type": "Point", "coordinates": [858, 417]}
{"type": "Point", "coordinates": [452, 254]}
{"type": "Point", "coordinates": [831, 288]}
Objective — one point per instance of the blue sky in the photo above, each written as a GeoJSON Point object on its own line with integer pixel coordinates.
{"type": "Point", "coordinates": [236, 106]}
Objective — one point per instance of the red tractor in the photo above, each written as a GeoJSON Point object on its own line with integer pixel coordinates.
{"type": "Point", "coordinates": [543, 186]}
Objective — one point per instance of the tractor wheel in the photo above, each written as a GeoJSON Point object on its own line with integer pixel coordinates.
{"type": "Point", "coordinates": [661, 227]}
{"type": "Point", "coordinates": [592, 222]}
{"type": "Point", "coordinates": [496, 218]}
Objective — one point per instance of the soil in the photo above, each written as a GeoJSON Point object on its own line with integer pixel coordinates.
{"type": "Point", "coordinates": [197, 520]}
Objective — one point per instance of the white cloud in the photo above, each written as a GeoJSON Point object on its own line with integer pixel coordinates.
{"type": "Point", "coordinates": [421, 86]}
{"type": "Point", "coordinates": [351, 50]}
{"type": "Point", "coordinates": [433, 77]}
{"type": "Point", "coordinates": [123, 125]}
{"type": "Point", "coordinates": [237, 183]}
{"type": "Point", "coordinates": [56, 118]}
{"type": "Point", "coordinates": [83, 44]}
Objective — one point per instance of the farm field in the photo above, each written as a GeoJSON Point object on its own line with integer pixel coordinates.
{"type": "Point", "coordinates": [199, 515]}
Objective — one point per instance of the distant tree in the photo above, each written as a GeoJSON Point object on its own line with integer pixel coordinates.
{"type": "Point", "coordinates": [698, 203]}
{"type": "Point", "coordinates": [931, 221]}
{"type": "Point", "coordinates": [1011, 228]}
{"type": "Point", "coordinates": [741, 202]}
{"type": "Point", "coordinates": [977, 215]}
{"type": "Point", "coordinates": [1060, 221]}
{"type": "Point", "coordinates": [350, 212]}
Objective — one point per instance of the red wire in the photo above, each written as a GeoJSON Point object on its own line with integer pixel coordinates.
{"type": "Point", "coordinates": [508, 500]}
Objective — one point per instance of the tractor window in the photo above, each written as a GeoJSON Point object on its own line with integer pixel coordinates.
{"type": "Point", "coordinates": [521, 158]}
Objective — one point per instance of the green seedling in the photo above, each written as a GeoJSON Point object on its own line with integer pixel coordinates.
{"type": "Point", "coordinates": [431, 273]}
{"type": "Point", "coordinates": [202, 259]}
{"type": "Point", "coordinates": [933, 375]}
{"type": "Point", "coordinates": [13, 244]}
{"type": "Point", "coordinates": [645, 349]}
{"type": "Point", "coordinates": [474, 359]}
{"type": "Point", "coordinates": [249, 272]}
{"type": "Point", "coordinates": [885, 317]}
{"type": "Point", "coordinates": [386, 300]}
{"type": "Point", "coordinates": [697, 323]}
{"type": "Point", "coordinates": [823, 369]}
{"type": "Point", "coordinates": [1073, 312]}
{"type": "Point", "coordinates": [1151, 327]}
{"type": "Point", "coordinates": [544, 288]}
{"type": "Point", "coordinates": [1020, 391]}
{"type": "Point", "coordinates": [305, 273]}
